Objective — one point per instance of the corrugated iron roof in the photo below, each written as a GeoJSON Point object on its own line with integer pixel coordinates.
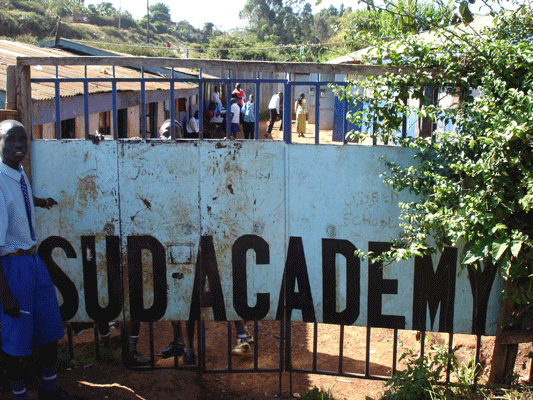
{"type": "Point", "coordinates": [9, 51]}
{"type": "Point", "coordinates": [80, 47]}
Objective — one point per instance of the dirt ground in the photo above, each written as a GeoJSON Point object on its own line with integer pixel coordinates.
{"type": "Point", "coordinates": [112, 380]}
{"type": "Point", "coordinates": [325, 136]}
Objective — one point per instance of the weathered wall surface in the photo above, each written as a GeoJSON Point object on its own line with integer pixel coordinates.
{"type": "Point", "coordinates": [210, 229]}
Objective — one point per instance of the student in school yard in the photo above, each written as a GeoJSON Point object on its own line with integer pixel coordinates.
{"type": "Point", "coordinates": [193, 126]}
{"type": "Point", "coordinates": [248, 118]}
{"type": "Point", "coordinates": [215, 96]}
{"type": "Point", "coordinates": [29, 313]}
{"type": "Point", "coordinates": [235, 116]}
{"type": "Point", "coordinates": [241, 96]}
{"type": "Point", "coordinates": [301, 115]}
{"type": "Point", "coordinates": [184, 345]}
{"type": "Point", "coordinates": [275, 108]}
{"type": "Point", "coordinates": [135, 359]}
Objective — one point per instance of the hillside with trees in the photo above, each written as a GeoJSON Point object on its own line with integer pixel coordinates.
{"type": "Point", "coordinates": [275, 30]}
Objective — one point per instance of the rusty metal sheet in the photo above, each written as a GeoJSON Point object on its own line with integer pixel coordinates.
{"type": "Point", "coordinates": [242, 205]}
{"type": "Point", "coordinates": [82, 177]}
{"type": "Point", "coordinates": [336, 194]}
{"type": "Point", "coordinates": [338, 203]}
{"type": "Point", "coordinates": [159, 186]}
{"type": "Point", "coordinates": [209, 229]}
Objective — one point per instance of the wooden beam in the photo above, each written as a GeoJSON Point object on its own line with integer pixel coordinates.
{"type": "Point", "coordinates": [515, 337]}
{"type": "Point", "coordinates": [257, 66]}
{"type": "Point", "coordinates": [23, 86]}
{"type": "Point", "coordinates": [9, 114]}
{"type": "Point", "coordinates": [11, 88]}
{"type": "Point", "coordinates": [504, 355]}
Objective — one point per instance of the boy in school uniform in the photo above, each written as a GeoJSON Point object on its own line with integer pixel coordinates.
{"type": "Point", "coordinates": [29, 312]}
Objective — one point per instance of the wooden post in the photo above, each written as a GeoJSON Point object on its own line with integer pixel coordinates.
{"type": "Point", "coordinates": [505, 349]}
{"type": "Point", "coordinates": [23, 88]}
{"type": "Point", "coordinates": [11, 88]}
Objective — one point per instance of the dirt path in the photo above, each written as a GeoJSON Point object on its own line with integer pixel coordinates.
{"type": "Point", "coordinates": [112, 380]}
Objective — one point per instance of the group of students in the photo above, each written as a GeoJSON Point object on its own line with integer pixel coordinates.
{"type": "Point", "coordinates": [242, 112]}
{"type": "Point", "coordinates": [182, 346]}
{"type": "Point", "coordinates": [275, 108]}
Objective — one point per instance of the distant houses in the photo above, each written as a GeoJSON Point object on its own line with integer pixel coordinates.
{"type": "Point", "coordinates": [72, 107]}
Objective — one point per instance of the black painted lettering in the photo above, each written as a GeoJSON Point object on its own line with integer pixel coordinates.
{"type": "Point", "coordinates": [135, 275]}
{"type": "Point", "coordinates": [377, 286]}
{"type": "Point", "coordinates": [202, 296]}
{"type": "Point", "coordinates": [481, 282]}
{"type": "Point", "coordinates": [90, 281]}
{"type": "Point", "coordinates": [66, 287]}
{"type": "Point", "coordinates": [331, 247]}
{"type": "Point", "coordinates": [432, 288]}
{"type": "Point", "coordinates": [240, 297]}
{"type": "Point", "coordinates": [296, 269]}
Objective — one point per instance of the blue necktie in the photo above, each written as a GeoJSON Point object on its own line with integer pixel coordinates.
{"type": "Point", "coordinates": [24, 188]}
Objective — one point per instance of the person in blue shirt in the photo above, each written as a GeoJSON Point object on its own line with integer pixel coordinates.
{"type": "Point", "coordinates": [248, 119]}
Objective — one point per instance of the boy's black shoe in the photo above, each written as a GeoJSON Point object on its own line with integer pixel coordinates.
{"type": "Point", "coordinates": [174, 348]}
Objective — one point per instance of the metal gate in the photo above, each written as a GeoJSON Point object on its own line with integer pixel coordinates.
{"type": "Point", "coordinates": [272, 226]}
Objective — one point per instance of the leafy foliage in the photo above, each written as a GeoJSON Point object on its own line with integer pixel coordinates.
{"type": "Point", "coordinates": [317, 394]}
{"type": "Point", "coordinates": [475, 182]}
{"type": "Point", "coordinates": [32, 21]}
{"type": "Point", "coordinates": [424, 376]}
{"type": "Point", "coordinates": [363, 26]}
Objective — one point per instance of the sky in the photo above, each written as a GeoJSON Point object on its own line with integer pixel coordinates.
{"type": "Point", "coordinates": [223, 13]}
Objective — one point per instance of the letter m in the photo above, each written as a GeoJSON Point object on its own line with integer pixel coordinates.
{"type": "Point", "coordinates": [433, 288]}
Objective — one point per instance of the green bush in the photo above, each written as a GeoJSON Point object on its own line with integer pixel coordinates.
{"type": "Point", "coordinates": [160, 27]}
{"type": "Point", "coordinates": [101, 20]}
{"type": "Point", "coordinates": [317, 394]}
{"type": "Point", "coordinates": [22, 5]}
{"type": "Point", "coordinates": [8, 26]}
{"type": "Point", "coordinates": [424, 378]}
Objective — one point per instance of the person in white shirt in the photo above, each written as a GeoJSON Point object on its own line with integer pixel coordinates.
{"type": "Point", "coordinates": [193, 126]}
{"type": "Point", "coordinates": [235, 115]}
{"type": "Point", "coordinates": [275, 108]}
{"type": "Point", "coordinates": [215, 98]}
{"type": "Point", "coordinates": [29, 312]}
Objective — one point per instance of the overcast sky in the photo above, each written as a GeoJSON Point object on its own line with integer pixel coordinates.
{"type": "Point", "coordinates": [223, 13]}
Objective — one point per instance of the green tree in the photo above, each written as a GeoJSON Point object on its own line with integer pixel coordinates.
{"type": "Point", "coordinates": [208, 29]}
{"type": "Point", "coordinates": [63, 8]}
{"type": "Point", "coordinates": [106, 8]}
{"type": "Point", "coordinates": [282, 23]}
{"type": "Point", "coordinates": [397, 18]}
{"type": "Point", "coordinates": [305, 31]}
{"type": "Point", "coordinates": [221, 46]}
{"type": "Point", "coordinates": [474, 183]}
{"type": "Point", "coordinates": [160, 12]}
{"type": "Point", "coordinates": [324, 23]}
{"type": "Point", "coordinates": [262, 16]}
{"type": "Point", "coordinates": [186, 31]}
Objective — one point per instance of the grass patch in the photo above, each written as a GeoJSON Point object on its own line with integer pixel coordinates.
{"type": "Point", "coordinates": [317, 394]}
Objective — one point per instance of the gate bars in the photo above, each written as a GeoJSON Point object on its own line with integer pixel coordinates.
{"type": "Point", "coordinates": [24, 103]}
